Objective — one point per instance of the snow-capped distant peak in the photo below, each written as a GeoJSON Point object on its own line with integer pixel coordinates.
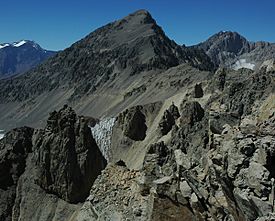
{"type": "Point", "coordinates": [20, 43]}
{"type": "Point", "coordinates": [4, 45]}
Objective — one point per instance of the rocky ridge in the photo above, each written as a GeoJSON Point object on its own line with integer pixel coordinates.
{"type": "Point", "coordinates": [214, 164]}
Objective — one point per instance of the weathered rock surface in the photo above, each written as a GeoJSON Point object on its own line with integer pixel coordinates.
{"type": "Point", "coordinates": [166, 122]}
{"type": "Point", "coordinates": [133, 123]}
{"type": "Point", "coordinates": [14, 149]}
{"type": "Point", "coordinates": [44, 171]}
{"type": "Point", "coordinates": [216, 164]}
{"type": "Point", "coordinates": [67, 157]}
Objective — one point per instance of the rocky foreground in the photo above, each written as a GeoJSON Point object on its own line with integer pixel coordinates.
{"type": "Point", "coordinates": [208, 154]}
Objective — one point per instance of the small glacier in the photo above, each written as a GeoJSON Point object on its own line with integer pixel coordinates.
{"type": "Point", "coordinates": [243, 64]}
{"type": "Point", "coordinates": [102, 133]}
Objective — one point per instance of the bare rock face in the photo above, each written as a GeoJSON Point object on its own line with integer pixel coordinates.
{"type": "Point", "coordinates": [166, 122]}
{"type": "Point", "coordinates": [218, 120]}
{"type": "Point", "coordinates": [168, 119]}
{"type": "Point", "coordinates": [198, 91]}
{"type": "Point", "coordinates": [192, 112]}
{"type": "Point", "coordinates": [14, 149]}
{"type": "Point", "coordinates": [133, 122]}
{"type": "Point", "coordinates": [173, 109]}
{"type": "Point", "coordinates": [67, 157]}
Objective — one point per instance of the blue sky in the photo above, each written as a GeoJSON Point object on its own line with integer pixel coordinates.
{"type": "Point", "coordinates": [56, 24]}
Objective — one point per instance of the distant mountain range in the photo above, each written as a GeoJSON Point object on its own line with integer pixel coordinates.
{"type": "Point", "coordinates": [19, 57]}
{"type": "Point", "coordinates": [226, 48]}
{"type": "Point", "coordinates": [99, 73]}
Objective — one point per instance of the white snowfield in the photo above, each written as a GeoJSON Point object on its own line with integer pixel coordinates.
{"type": "Point", "coordinates": [20, 43]}
{"type": "Point", "coordinates": [243, 64]}
{"type": "Point", "coordinates": [15, 44]}
{"type": "Point", "coordinates": [4, 45]}
{"type": "Point", "coordinates": [102, 133]}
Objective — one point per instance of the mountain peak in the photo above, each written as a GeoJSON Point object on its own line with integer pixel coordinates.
{"type": "Point", "coordinates": [20, 43]}
{"type": "Point", "coordinates": [142, 15]}
{"type": "Point", "coordinates": [227, 32]}
{"type": "Point", "coordinates": [225, 44]}
{"type": "Point", "coordinates": [140, 12]}
{"type": "Point", "coordinates": [20, 56]}
{"type": "Point", "coordinates": [227, 35]}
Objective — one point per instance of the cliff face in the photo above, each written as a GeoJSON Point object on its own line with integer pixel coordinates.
{"type": "Point", "coordinates": [67, 157]}
{"type": "Point", "coordinates": [48, 168]}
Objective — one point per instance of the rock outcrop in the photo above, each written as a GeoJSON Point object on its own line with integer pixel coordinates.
{"type": "Point", "coordinates": [14, 149]}
{"type": "Point", "coordinates": [198, 91]}
{"type": "Point", "coordinates": [133, 123]}
{"type": "Point", "coordinates": [168, 119]}
{"type": "Point", "coordinates": [47, 173]}
{"type": "Point", "coordinates": [67, 157]}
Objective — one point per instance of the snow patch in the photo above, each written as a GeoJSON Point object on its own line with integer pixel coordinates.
{"type": "Point", "coordinates": [1, 134]}
{"type": "Point", "coordinates": [4, 45]}
{"type": "Point", "coordinates": [20, 43]}
{"type": "Point", "coordinates": [243, 64]}
{"type": "Point", "coordinates": [102, 133]}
